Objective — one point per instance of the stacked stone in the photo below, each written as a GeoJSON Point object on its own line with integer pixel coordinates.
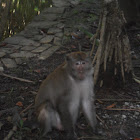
{"type": "Point", "coordinates": [41, 38]}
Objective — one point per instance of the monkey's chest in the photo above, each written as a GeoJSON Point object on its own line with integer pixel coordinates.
{"type": "Point", "coordinates": [81, 91]}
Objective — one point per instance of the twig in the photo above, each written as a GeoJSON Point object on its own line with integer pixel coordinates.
{"type": "Point", "coordinates": [93, 138]}
{"type": "Point", "coordinates": [136, 80]}
{"type": "Point", "coordinates": [123, 109]}
{"type": "Point", "coordinates": [11, 133]}
{"type": "Point", "coordinates": [119, 100]}
{"type": "Point", "coordinates": [28, 107]}
{"type": "Point", "coordinates": [101, 121]}
{"type": "Point", "coordinates": [13, 77]}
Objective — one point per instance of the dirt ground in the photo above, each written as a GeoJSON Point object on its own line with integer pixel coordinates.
{"type": "Point", "coordinates": [117, 106]}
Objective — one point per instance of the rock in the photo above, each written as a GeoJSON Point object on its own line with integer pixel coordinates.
{"type": "Point", "coordinates": [39, 49]}
{"type": "Point", "coordinates": [31, 32]}
{"type": "Point", "coordinates": [137, 113]}
{"type": "Point", "coordinates": [9, 63]}
{"type": "Point", "coordinates": [18, 40]}
{"type": "Point", "coordinates": [38, 37]}
{"type": "Point", "coordinates": [57, 41]}
{"type": "Point", "coordinates": [42, 48]}
{"type": "Point", "coordinates": [52, 31]}
{"type": "Point", "coordinates": [28, 48]}
{"type": "Point", "coordinates": [126, 103]}
{"type": "Point", "coordinates": [60, 25]}
{"type": "Point", "coordinates": [28, 42]}
{"type": "Point", "coordinates": [13, 40]}
{"type": "Point", "coordinates": [60, 3]}
{"type": "Point", "coordinates": [54, 10]}
{"type": "Point", "coordinates": [41, 24]}
{"type": "Point", "coordinates": [123, 116]}
{"type": "Point", "coordinates": [60, 35]}
{"type": "Point", "coordinates": [2, 54]}
{"type": "Point", "coordinates": [14, 47]}
{"type": "Point", "coordinates": [46, 17]}
{"type": "Point", "coordinates": [74, 2]}
{"type": "Point", "coordinates": [23, 54]}
{"type": "Point", "coordinates": [47, 39]}
{"type": "Point", "coordinates": [18, 60]}
{"type": "Point", "coordinates": [6, 50]}
{"type": "Point", "coordinates": [44, 55]}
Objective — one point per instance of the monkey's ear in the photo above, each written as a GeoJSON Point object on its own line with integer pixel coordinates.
{"type": "Point", "coordinates": [67, 57]}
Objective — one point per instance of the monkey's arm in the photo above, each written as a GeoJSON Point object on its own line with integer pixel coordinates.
{"type": "Point", "coordinates": [52, 87]}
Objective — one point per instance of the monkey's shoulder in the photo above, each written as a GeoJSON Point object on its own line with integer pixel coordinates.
{"type": "Point", "coordinates": [57, 79]}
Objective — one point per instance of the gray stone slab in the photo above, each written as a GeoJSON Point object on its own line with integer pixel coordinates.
{"type": "Point", "coordinates": [28, 48]}
{"type": "Point", "coordinates": [74, 2]}
{"type": "Point", "coordinates": [22, 54]}
{"type": "Point", "coordinates": [54, 10]}
{"type": "Point", "coordinates": [18, 60]}
{"type": "Point", "coordinates": [47, 39]}
{"type": "Point", "coordinates": [38, 37]}
{"type": "Point", "coordinates": [19, 40]}
{"type": "Point", "coordinates": [41, 24]}
{"type": "Point", "coordinates": [39, 49]}
{"type": "Point", "coordinates": [44, 55]}
{"type": "Point", "coordinates": [15, 47]}
{"type": "Point", "coordinates": [60, 35]}
{"type": "Point", "coordinates": [44, 17]}
{"type": "Point", "coordinates": [60, 3]}
{"type": "Point", "coordinates": [9, 63]}
{"type": "Point", "coordinates": [42, 48]}
{"type": "Point", "coordinates": [57, 41]}
{"type": "Point", "coordinates": [60, 25]}
{"type": "Point", "coordinates": [2, 54]}
{"type": "Point", "coordinates": [13, 40]}
{"type": "Point", "coordinates": [7, 50]}
{"type": "Point", "coordinates": [52, 31]}
{"type": "Point", "coordinates": [28, 42]}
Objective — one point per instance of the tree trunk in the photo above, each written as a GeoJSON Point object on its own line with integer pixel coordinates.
{"type": "Point", "coordinates": [113, 53]}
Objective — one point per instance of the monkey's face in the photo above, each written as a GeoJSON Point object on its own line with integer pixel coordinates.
{"type": "Point", "coordinates": [79, 65]}
{"type": "Point", "coordinates": [79, 69]}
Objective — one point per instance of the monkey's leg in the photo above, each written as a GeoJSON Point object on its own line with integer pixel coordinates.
{"type": "Point", "coordinates": [67, 121]}
{"type": "Point", "coordinates": [45, 120]}
{"type": "Point", "coordinates": [89, 111]}
{"type": "Point", "coordinates": [74, 110]}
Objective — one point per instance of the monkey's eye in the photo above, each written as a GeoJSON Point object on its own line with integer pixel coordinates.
{"type": "Point", "coordinates": [77, 63]}
{"type": "Point", "coordinates": [83, 62]}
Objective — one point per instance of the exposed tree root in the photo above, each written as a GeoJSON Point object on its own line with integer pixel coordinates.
{"type": "Point", "coordinates": [114, 44]}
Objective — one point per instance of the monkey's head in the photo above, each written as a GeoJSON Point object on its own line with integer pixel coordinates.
{"type": "Point", "coordinates": [79, 65]}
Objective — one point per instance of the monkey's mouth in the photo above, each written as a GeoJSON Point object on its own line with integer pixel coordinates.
{"type": "Point", "coordinates": [81, 71]}
{"type": "Point", "coordinates": [81, 75]}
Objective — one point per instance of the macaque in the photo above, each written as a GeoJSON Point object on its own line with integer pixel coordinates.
{"type": "Point", "coordinates": [64, 92]}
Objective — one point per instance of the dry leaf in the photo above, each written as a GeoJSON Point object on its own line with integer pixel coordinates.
{"type": "Point", "coordinates": [136, 138]}
{"type": "Point", "coordinates": [100, 101]}
{"type": "Point", "coordinates": [24, 119]}
{"type": "Point", "coordinates": [37, 71]}
{"type": "Point", "coordinates": [73, 47]}
{"type": "Point", "coordinates": [19, 104]}
{"type": "Point", "coordinates": [111, 106]}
